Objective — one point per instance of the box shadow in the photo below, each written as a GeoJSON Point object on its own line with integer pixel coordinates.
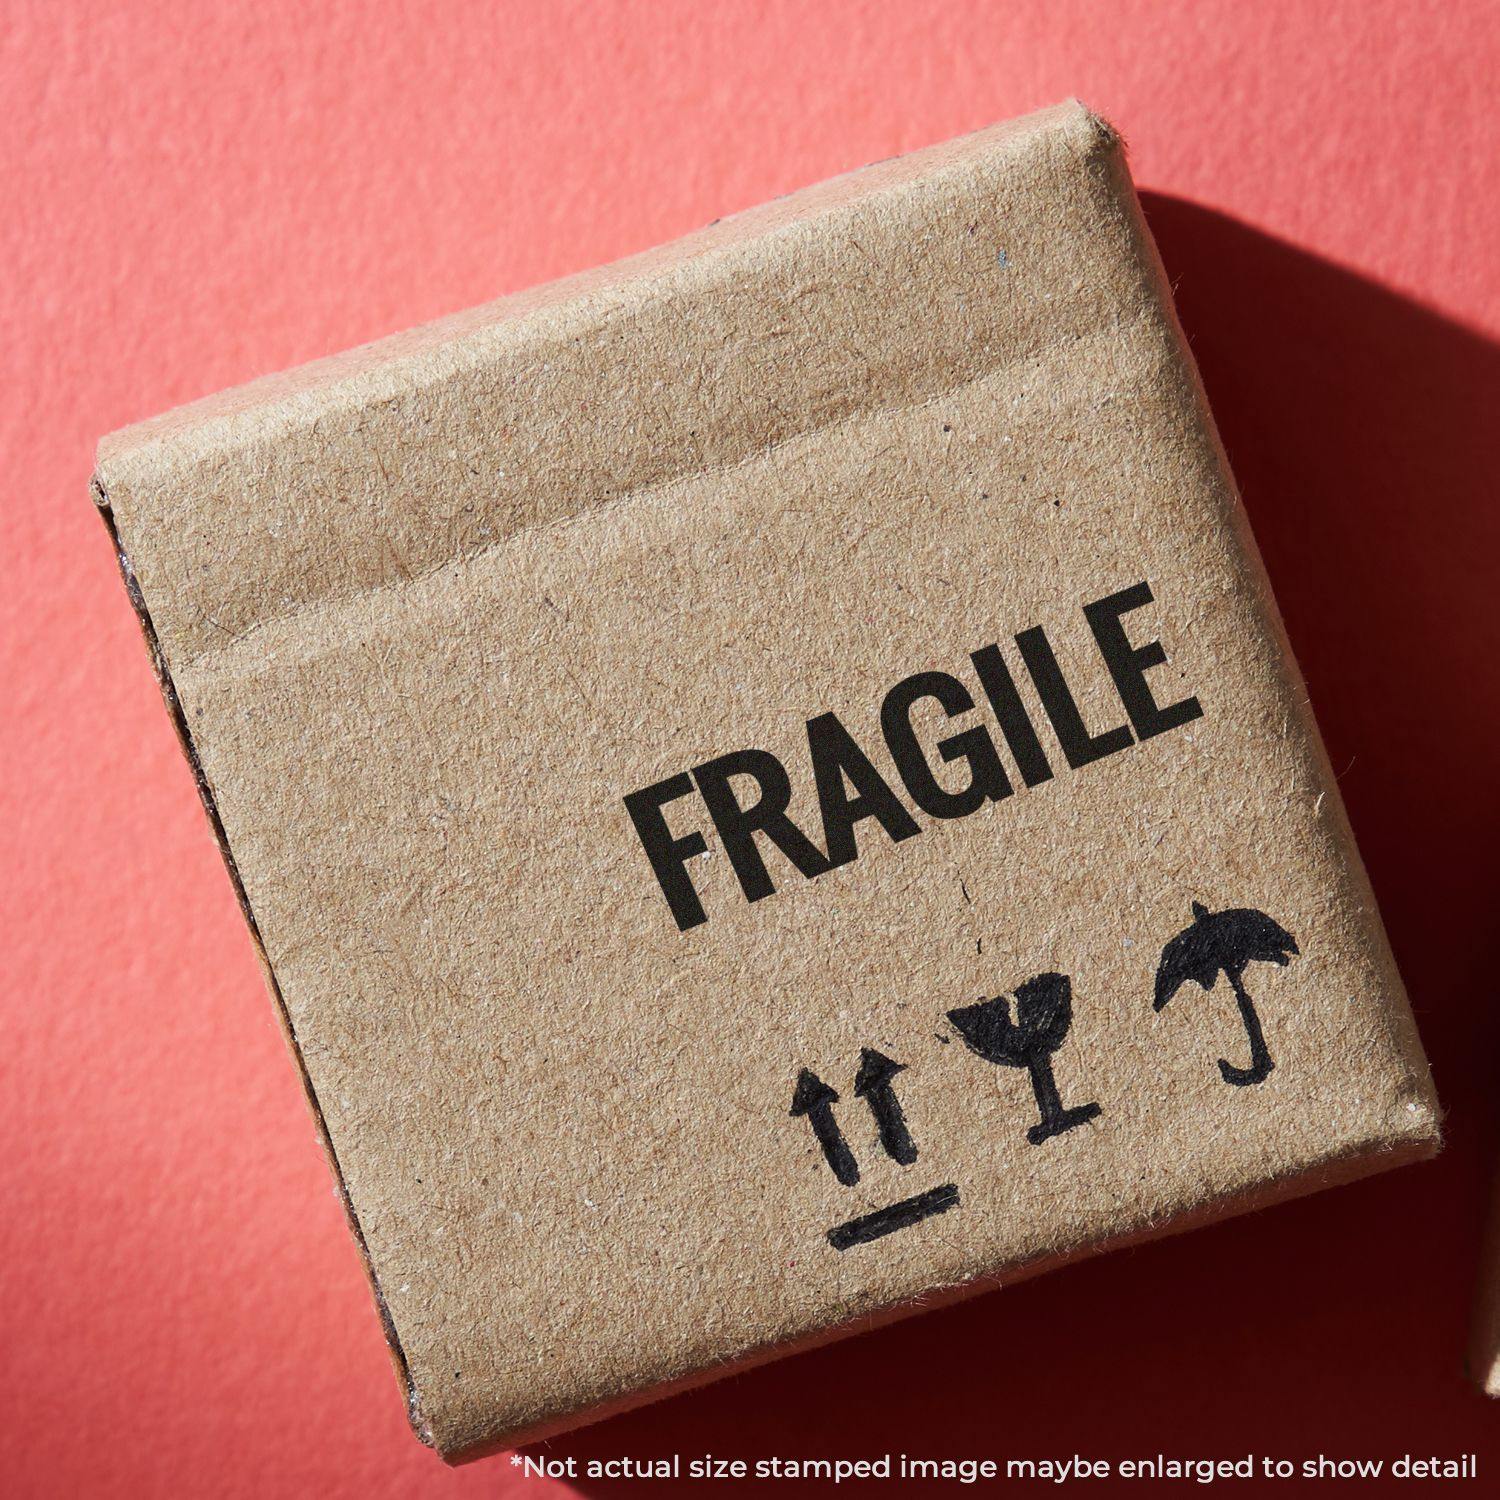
{"type": "Point", "coordinates": [1364, 431]}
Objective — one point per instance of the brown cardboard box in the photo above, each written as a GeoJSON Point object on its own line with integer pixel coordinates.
{"type": "Point", "coordinates": [646, 718]}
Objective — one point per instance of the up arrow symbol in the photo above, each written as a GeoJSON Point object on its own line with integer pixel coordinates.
{"type": "Point", "coordinates": [815, 1099]}
{"type": "Point", "coordinates": [873, 1084]}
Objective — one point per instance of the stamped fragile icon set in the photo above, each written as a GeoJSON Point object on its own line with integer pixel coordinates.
{"type": "Point", "coordinates": [1216, 944]}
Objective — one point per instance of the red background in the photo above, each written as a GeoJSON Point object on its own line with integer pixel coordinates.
{"type": "Point", "coordinates": [195, 195]}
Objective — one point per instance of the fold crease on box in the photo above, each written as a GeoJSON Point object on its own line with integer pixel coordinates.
{"type": "Point", "coordinates": [768, 784]}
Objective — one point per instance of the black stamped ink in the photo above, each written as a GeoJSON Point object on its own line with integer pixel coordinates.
{"type": "Point", "coordinates": [873, 1084]}
{"type": "Point", "coordinates": [1227, 942]}
{"type": "Point", "coordinates": [1044, 1014]}
{"type": "Point", "coordinates": [894, 1216]}
{"type": "Point", "coordinates": [815, 1099]}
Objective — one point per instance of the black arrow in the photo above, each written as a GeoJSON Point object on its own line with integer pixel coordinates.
{"type": "Point", "coordinates": [815, 1099]}
{"type": "Point", "coordinates": [873, 1084]}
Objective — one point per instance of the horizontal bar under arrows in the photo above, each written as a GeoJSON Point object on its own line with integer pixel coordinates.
{"type": "Point", "coordinates": [896, 1216]}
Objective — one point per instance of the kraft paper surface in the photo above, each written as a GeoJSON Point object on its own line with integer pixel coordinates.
{"type": "Point", "coordinates": [769, 783]}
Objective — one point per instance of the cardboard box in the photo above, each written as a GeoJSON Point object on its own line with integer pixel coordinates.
{"type": "Point", "coordinates": [769, 783]}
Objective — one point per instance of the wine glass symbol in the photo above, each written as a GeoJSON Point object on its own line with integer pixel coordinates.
{"type": "Point", "coordinates": [1044, 1013]}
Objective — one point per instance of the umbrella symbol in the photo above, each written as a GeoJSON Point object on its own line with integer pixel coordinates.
{"type": "Point", "coordinates": [1044, 1012]}
{"type": "Point", "coordinates": [1227, 942]}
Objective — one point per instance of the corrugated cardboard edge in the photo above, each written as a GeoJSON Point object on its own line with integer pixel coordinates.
{"type": "Point", "coordinates": [205, 793]}
{"type": "Point", "coordinates": [1358, 1161]}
